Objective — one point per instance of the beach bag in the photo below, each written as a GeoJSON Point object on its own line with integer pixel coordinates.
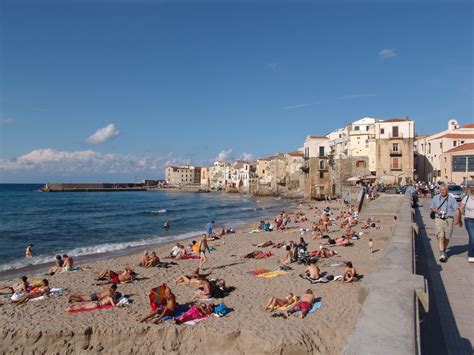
{"type": "Point", "coordinates": [221, 310]}
{"type": "Point", "coordinates": [433, 214]}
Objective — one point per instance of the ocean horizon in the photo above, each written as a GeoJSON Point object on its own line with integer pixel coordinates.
{"type": "Point", "coordinates": [89, 223]}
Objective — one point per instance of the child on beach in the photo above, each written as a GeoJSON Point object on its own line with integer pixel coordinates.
{"type": "Point", "coordinates": [371, 246]}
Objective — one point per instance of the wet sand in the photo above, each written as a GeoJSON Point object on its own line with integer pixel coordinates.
{"type": "Point", "coordinates": [44, 327]}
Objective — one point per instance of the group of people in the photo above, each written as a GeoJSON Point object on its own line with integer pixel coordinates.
{"type": "Point", "coordinates": [63, 263]}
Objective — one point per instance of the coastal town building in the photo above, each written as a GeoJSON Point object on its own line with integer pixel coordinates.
{"type": "Point", "coordinates": [429, 148]}
{"type": "Point", "coordinates": [394, 158]}
{"type": "Point", "coordinates": [457, 164]}
{"type": "Point", "coordinates": [263, 170]}
{"type": "Point", "coordinates": [183, 175]}
{"type": "Point", "coordinates": [205, 181]}
{"type": "Point", "coordinates": [317, 180]}
{"type": "Point", "coordinates": [362, 141]}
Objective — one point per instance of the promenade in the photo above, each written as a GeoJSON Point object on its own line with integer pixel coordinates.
{"type": "Point", "coordinates": [449, 326]}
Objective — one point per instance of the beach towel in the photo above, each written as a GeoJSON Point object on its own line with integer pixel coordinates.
{"type": "Point", "coordinates": [195, 321]}
{"type": "Point", "coordinates": [258, 272]}
{"type": "Point", "coordinates": [272, 274]}
{"type": "Point", "coordinates": [87, 310]}
{"type": "Point", "coordinates": [294, 301]}
{"type": "Point", "coordinates": [52, 293]}
{"type": "Point", "coordinates": [314, 308]}
{"type": "Point", "coordinates": [74, 269]}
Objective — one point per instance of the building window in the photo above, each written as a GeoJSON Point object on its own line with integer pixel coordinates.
{"type": "Point", "coordinates": [441, 145]}
{"type": "Point", "coordinates": [360, 164]}
{"type": "Point", "coordinates": [321, 174]}
{"type": "Point", "coordinates": [429, 148]}
{"type": "Point", "coordinates": [382, 130]}
{"type": "Point", "coordinates": [367, 128]}
{"type": "Point", "coordinates": [395, 147]}
{"type": "Point", "coordinates": [321, 165]}
{"type": "Point", "coordinates": [356, 128]}
{"type": "Point", "coordinates": [321, 151]}
{"type": "Point", "coordinates": [455, 143]}
{"type": "Point", "coordinates": [395, 131]}
{"type": "Point", "coordinates": [395, 164]}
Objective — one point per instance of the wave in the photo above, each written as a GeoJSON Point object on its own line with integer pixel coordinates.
{"type": "Point", "coordinates": [97, 249]}
{"type": "Point", "coordinates": [162, 211]}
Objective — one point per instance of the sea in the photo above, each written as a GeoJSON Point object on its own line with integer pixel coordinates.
{"type": "Point", "coordinates": [93, 223]}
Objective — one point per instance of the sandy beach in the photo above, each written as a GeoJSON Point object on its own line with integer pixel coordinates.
{"type": "Point", "coordinates": [44, 327]}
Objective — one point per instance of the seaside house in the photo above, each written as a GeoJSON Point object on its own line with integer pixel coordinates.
{"type": "Point", "coordinates": [205, 181]}
{"type": "Point", "coordinates": [263, 170]}
{"type": "Point", "coordinates": [317, 180]}
{"type": "Point", "coordinates": [218, 176]}
{"type": "Point", "coordinates": [294, 174]}
{"type": "Point", "coordinates": [429, 148]}
{"type": "Point", "coordinates": [362, 145]}
{"type": "Point", "coordinates": [394, 141]}
{"type": "Point", "coordinates": [457, 164]}
{"type": "Point", "coordinates": [182, 175]}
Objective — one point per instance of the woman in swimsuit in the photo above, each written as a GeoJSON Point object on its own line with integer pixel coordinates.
{"type": "Point", "coordinates": [350, 274]}
{"type": "Point", "coordinates": [35, 293]}
{"type": "Point", "coordinates": [197, 311]}
{"type": "Point", "coordinates": [274, 303]}
{"type": "Point", "coordinates": [91, 305]}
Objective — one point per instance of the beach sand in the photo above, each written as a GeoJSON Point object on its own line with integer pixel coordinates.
{"type": "Point", "coordinates": [43, 327]}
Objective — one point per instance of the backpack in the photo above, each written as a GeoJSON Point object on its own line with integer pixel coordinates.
{"type": "Point", "coordinates": [221, 310]}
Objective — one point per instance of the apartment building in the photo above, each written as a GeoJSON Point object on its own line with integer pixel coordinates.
{"type": "Point", "coordinates": [457, 164]}
{"type": "Point", "coordinates": [317, 180]}
{"type": "Point", "coordinates": [183, 175]}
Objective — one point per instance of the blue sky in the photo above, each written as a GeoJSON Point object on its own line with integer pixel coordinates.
{"type": "Point", "coordinates": [184, 81]}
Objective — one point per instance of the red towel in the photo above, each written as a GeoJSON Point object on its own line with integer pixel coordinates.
{"type": "Point", "coordinates": [190, 257]}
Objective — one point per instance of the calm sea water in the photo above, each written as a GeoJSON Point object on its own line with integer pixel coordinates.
{"type": "Point", "coordinates": [89, 223]}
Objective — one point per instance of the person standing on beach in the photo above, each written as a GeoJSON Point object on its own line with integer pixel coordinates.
{"type": "Point", "coordinates": [28, 251]}
{"type": "Point", "coordinates": [209, 228]}
{"type": "Point", "coordinates": [203, 247]}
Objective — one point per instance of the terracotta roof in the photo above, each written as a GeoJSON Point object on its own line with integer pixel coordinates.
{"type": "Point", "coordinates": [295, 154]}
{"type": "Point", "coordinates": [462, 148]}
{"type": "Point", "coordinates": [455, 135]}
{"type": "Point", "coordinates": [469, 125]}
{"type": "Point", "coordinates": [318, 137]}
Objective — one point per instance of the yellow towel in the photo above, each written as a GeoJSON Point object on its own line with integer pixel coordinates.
{"type": "Point", "coordinates": [288, 306]}
{"type": "Point", "coordinates": [269, 275]}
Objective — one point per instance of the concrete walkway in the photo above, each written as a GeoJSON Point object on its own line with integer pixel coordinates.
{"type": "Point", "coordinates": [451, 290]}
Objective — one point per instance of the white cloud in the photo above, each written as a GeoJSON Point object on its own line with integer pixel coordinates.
{"type": "Point", "coordinates": [387, 53]}
{"type": "Point", "coordinates": [103, 135]}
{"type": "Point", "coordinates": [224, 155]}
{"type": "Point", "coordinates": [274, 66]}
{"type": "Point", "coordinates": [355, 96]}
{"type": "Point", "coordinates": [7, 121]}
{"type": "Point", "coordinates": [246, 156]}
{"type": "Point", "coordinates": [86, 162]}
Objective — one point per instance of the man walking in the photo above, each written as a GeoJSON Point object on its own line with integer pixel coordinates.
{"type": "Point", "coordinates": [444, 207]}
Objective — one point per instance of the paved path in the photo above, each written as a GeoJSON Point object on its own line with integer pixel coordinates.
{"type": "Point", "coordinates": [384, 205]}
{"type": "Point", "coordinates": [451, 289]}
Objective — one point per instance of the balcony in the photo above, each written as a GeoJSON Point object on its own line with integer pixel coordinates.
{"type": "Point", "coordinates": [395, 167]}
{"type": "Point", "coordinates": [395, 153]}
{"type": "Point", "coordinates": [399, 135]}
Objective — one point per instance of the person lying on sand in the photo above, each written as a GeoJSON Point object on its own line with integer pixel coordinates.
{"type": "Point", "coordinates": [35, 293]}
{"type": "Point", "coordinates": [350, 273]}
{"type": "Point", "coordinates": [193, 279]}
{"type": "Point", "coordinates": [110, 292]}
{"type": "Point", "coordinates": [205, 289]}
{"type": "Point", "coordinates": [167, 310]}
{"type": "Point", "coordinates": [114, 278]}
{"type": "Point", "coordinates": [264, 244]}
{"type": "Point", "coordinates": [304, 305]}
{"type": "Point", "coordinates": [197, 311]}
{"type": "Point", "coordinates": [343, 241]}
{"type": "Point", "coordinates": [58, 266]}
{"type": "Point", "coordinates": [312, 272]}
{"type": "Point", "coordinates": [323, 253]}
{"type": "Point", "coordinates": [274, 303]}
{"type": "Point", "coordinates": [22, 286]}
{"type": "Point", "coordinates": [92, 304]}
{"type": "Point", "coordinates": [152, 261]}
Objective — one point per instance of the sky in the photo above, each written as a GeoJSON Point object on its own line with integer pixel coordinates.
{"type": "Point", "coordinates": [102, 90]}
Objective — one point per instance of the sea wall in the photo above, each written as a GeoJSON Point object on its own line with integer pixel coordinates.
{"type": "Point", "coordinates": [353, 194]}
{"type": "Point", "coordinates": [388, 322]}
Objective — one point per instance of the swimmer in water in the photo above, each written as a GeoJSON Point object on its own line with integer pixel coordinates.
{"type": "Point", "coordinates": [166, 225]}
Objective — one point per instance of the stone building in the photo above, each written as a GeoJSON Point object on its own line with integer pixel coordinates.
{"type": "Point", "coordinates": [183, 175]}
{"type": "Point", "coordinates": [317, 180]}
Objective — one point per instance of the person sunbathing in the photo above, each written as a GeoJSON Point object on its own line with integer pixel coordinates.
{"type": "Point", "coordinates": [304, 305]}
{"type": "Point", "coordinates": [68, 263]}
{"type": "Point", "coordinates": [153, 260]}
{"type": "Point", "coordinates": [350, 273]}
{"type": "Point", "coordinates": [205, 289]}
{"type": "Point", "coordinates": [343, 241]}
{"type": "Point", "coordinates": [35, 293]}
{"type": "Point", "coordinates": [312, 272]}
{"type": "Point", "coordinates": [166, 310]}
{"type": "Point", "coordinates": [323, 253]}
{"type": "Point", "coordinates": [58, 266]}
{"type": "Point", "coordinates": [197, 311]}
{"type": "Point", "coordinates": [143, 258]}
{"type": "Point", "coordinates": [274, 303]}
{"type": "Point", "coordinates": [193, 279]}
{"type": "Point", "coordinates": [92, 304]}
{"type": "Point", "coordinates": [22, 286]}
{"type": "Point", "coordinates": [288, 256]}
{"type": "Point", "coordinates": [182, 253]}
{"type": "Point", "coordinates": [111, 277]}
{"type": "Point", "coordinates": [264, 244]}
{"type": "Point", "coordinates": [94, 297]}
